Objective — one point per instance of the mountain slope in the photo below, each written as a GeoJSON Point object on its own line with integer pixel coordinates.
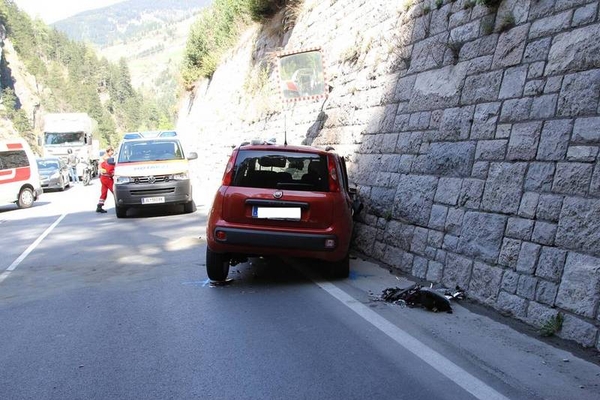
{"type": "Point", "coordinates": [123, 21]}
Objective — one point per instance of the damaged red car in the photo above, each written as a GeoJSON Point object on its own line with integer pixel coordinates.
{"type": "Point", "coordinates": [279, 200]}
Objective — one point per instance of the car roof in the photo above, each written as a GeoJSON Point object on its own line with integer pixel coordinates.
{"type": "Point", "coordinates": [278, 147]}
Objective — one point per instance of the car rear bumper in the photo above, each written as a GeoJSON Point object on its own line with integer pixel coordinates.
{"type": "Point", "coordinates": [172, 192]}
{"type": "Point", "coordinates": [253, 242]}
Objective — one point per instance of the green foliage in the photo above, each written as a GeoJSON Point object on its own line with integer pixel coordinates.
{"type": "Point", "coordinates": [77, 79]}
{"type": "Point", "coordinates": [489, 3]}
{"type": "Point", "coordinates": [260, 10]}
{"type": "Point", "coordinates": [552, 325]}
{"type": "Point", "coordinates": [439, 3]}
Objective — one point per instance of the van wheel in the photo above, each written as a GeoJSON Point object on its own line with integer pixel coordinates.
{"type": "Point", "coordinates": [217, 266]}
{"type": "Point", "coordinates": [26, 198]}
{"type": "Point", "coordinates": [120, 211]}
{"type": "Point", "coordinates": [340, 269]}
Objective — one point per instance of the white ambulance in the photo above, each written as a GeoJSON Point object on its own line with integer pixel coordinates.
{"type": "Point", "coordinates": [19, 177]}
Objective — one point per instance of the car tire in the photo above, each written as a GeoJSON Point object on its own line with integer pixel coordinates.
{"type": "Point", "coordinates": [217, 265]}
{"type": "Point", "coordinates": [189, 207]}
{"type": "Point", "coordinates": [26, 198]}
{"type": "Point", "coordinates": [120, 211]}
{"type": "Point", "coordinates": [340, 269]}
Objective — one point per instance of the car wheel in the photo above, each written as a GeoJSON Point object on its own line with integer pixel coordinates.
{"type": "Point", "coordinates": [340, 269]}
{"type": "Point", "coordinates": [120, 211]}
{"type": "Point", "coordinates": [26, 198]}
{"type": "Point", "coordinates": [188, 207]}
{"type": "Point", "coordinates": [217, 266]}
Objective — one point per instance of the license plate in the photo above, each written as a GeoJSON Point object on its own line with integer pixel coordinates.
{"type": "Point", "coordinates": [276, 212]}
{"type": "Point", "coordinates": [153, 200]}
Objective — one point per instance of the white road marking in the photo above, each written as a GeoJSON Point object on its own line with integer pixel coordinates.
{"type": "Point", "coordinates": [446, 367]}
{"type": "Point", "coordinates": [23, 255]}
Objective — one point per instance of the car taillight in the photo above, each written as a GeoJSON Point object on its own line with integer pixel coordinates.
{"type": "Point", "coordinates": [228, 175]}
{"type": "Point", "coordinates": [220, 235]}
{"type": "Point", "coordinates": [334, 184]}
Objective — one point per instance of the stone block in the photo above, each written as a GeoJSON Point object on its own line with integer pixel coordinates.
{"type": "Point", "coordinates": [579, 225]}
{"type": "Point", "coordinates": [554, 140]}
{"type": "Point", "coordinates": [526, 286]}
{"type": "Point", "coordinates": [528, 257]}
{"type": "Point", "coordinates": [439, 20]}
{"type": "Point", "coordinates": [504, 187]}
{"type": "Point", "coordinates": [553, 84]}
{"type": "Point", "coordinates": [595, 184]}
{"type": "Point", "coordinates": [435, 239]}
{"type": "Point", "coordinates": [544, 106]}
{"type": "Point", "coordinates": [551, 263]}
{"type": "Point", "coordinates": [509, 254]}
{"type": "Point", "coordinates": [406, 162]}
{"type": "Point", "coordinates": [448, 191]}
{"type": "Point", "coordinates": [484, 121]}
{"type": "Point", "coordinates": [456, 124]}
{"type": "Point", "coordinates": [524, 140]}
{"type": "Point", "coordinates": [545, 292]}
{"type": "Point", "coordinates": [541, 8]}
{"type": "Point", "coordinates": [516, 9]}
{"type": "Point", "coordinates": [399, 234]}
{"type": "Point", "coordinates": [579, 94]}
{"type": "Point", "coordinates": [446, 159]}
{"type": "Point", "coordinates": [465, 33]}
{"type": "Point", "coordinates": [419, 241]}
{"type": "Point", "coordinates": [576, 50]}
{"type": "Point", "coordinates": [419, 268]}
{"type": "Point", "coordinates": [578, 330]}
{"type": "Point", "coordinates": [511, 46]}
{"type": "Point", "coordinates": [419, 121]}
{"type": "Point", "coordinates": [579, 290]}
{"type": "Point", "coordinates": [540, 177]}
{"type": "Point", "coordinates": [440, 256]}
{"type": "Point", "coordinates": [512, 305]}
{"type": "Point", "coordinates": [582, 153]}
{"type": "Point", "coordinates": [510, 281]}
{"type": "Point", "coordinates": [584, 15]}
{"type": "Point", "coordinates": [450, 243]}
{"type": "Point", "coordinates": [437, 219]}
{"type": "Point", "coordinates": [513, 82]}
{"type": "Point", "coordinates": [539, 314]}
{"type": "Point", "coordinates": [516, 110]}
{"type": "Point", "coordinates": [457, 272]}
{"type": "Point", "coordinates": [409, 142]}
{"type": "Point", "coordinates": [537, 50]}
{"type": "Point", "coordinates": [470, 193]}
{"type": "Point", "coordinates": [438, 88]}
{"type": "Point", "coordinates": [519, 228]}
{"type": "Point", "coordinates": [587, 130]}
{"type": "Point", "coordinates": [481, 88]}
{"type": "Point", "coordinates": [364, 238]}
{"type": "Point", "coordinates": [572, 178]}
{"type": "Point", "coordinates": [536, 70]}
{"type": "Point", "coordinates": [485, 282]}
{"type": "Point", "coordinates": [381, 198]}
{"type": "Point", "coordinates": [544, 233]}
{"type": "Point", "coordinates": [454, 220]}
{"type": "Point", "coordinates": [480, 170]}
{"type": "Point", "coordinates": [529, 203]}
{"type": "Point", "coordinates": [435, 271]}
{"type": "Point", "coordinates": [549, 206]}
{"type": "Point", "coordinates": [491, 150]}
{"type": "Point", "coordinates": [534, 88]}
{"type": "Point", "coordinates": [503, 131]}
{"type": "Point", "coordinates": [550, 25]}
{"type": "Point", "coordinates": [414, 198]}
{"type": "Point", "coordinates": [482, 235]}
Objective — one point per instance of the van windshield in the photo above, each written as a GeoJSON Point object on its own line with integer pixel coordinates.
{"type": "Point", "coordinates": [150, 150]}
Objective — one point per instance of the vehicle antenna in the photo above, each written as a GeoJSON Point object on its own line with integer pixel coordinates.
{"type": "Point", "coordinates": [285, 128]}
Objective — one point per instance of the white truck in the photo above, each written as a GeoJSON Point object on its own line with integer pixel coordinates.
{"type": "Point", "coordinates": [75, 131]}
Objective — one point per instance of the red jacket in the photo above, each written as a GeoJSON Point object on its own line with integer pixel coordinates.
{"type": "Point", "coordinates": [107, 170]}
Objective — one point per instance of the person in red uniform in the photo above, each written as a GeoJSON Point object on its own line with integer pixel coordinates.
{"type": "Point", "coordinates": [106, 179]}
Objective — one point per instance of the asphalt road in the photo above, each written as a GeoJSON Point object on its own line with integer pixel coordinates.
{"type": "Point", "coordinates": [95, 307]}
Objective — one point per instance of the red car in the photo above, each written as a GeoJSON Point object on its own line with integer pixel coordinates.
{"type": "Point", "coordinates": [279, 200]}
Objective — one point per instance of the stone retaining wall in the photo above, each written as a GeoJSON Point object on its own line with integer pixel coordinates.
{"type": "Point", "coordinates": [472, 136]}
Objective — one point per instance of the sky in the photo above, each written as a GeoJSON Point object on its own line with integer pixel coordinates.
{"type": "Point", "coordinates": [54, 10]}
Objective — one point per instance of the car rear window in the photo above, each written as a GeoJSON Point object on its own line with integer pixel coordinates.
{"type": "Point", "coordinates": [281, 170]}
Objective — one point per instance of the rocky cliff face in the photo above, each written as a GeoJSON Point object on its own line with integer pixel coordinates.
{"type": "Point", "coordinates": [471, 133]}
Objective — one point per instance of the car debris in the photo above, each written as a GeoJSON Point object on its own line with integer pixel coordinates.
{"type": "Point", "coordinates": [435, 300]}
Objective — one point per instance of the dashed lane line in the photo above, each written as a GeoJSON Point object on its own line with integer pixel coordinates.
{"type": "Point", "coordinates": [32, 247]}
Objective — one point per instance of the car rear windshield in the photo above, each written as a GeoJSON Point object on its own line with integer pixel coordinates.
{"type": "Point", "coordinates": [281, 170]}
{"type": "Point", "coordinates": [150, 150]}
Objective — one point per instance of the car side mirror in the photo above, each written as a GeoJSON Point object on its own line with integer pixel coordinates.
{"type": "Point", "coordinates": [110, 161]}
{"type": "Point", "coordinates": [192, 155]}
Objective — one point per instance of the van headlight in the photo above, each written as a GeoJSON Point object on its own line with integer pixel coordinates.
{"type": "Point", "coordinates": [180, 177]}
{"type": "Point", "coordinates": [121, 180]}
